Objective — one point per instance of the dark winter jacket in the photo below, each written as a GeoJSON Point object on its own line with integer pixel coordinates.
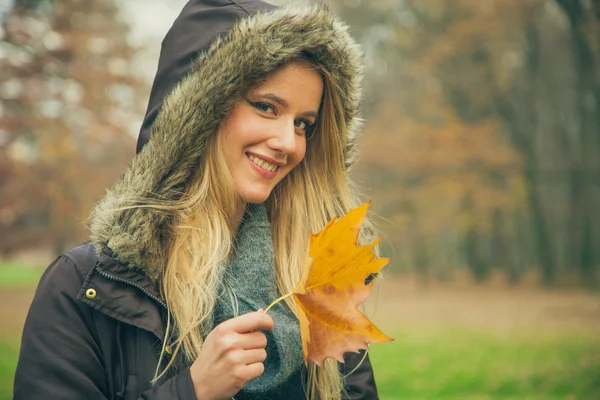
{"type": "Point", "coordinates": [94, 331]}
{"type": "Point", "coordinates": [96, 325]}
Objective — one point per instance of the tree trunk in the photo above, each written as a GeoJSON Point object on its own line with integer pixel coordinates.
{"type": "Point", "coordinates": [584, 168]}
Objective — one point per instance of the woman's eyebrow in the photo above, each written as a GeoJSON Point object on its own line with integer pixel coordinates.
{"type": "Point", "coordinates": [283, 103]}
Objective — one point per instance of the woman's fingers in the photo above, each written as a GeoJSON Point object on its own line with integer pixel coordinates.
{"type": "Point", "coordinates": [254, 356]}
{"type": "Point", "coordinates": [252, 340]}
{"type": "Point", "coordinates": [233, 354]}
{"type": "Point", "coordinates": [255, 370]}
{"type": "Point", "coordinates": [248, 323]}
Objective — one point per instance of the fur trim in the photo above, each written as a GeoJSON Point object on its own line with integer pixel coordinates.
{"type": "Point", "coordinates": [253, 48]}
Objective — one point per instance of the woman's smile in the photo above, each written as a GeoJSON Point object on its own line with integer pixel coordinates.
{"type": "Point", "coordinates": [264, 168]}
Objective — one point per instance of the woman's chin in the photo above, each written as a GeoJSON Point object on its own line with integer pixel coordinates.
{"type": "Point", "coordinates": [255, 197]}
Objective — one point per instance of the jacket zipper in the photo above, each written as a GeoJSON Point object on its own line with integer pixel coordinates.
{"type": "Point", "coordinates": [116, 279]}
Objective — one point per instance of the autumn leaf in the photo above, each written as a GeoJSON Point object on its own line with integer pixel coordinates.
{"type": "Point", "coordinates": [337, 279]}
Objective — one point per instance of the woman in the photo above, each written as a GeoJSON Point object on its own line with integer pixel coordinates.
{"type": "Point", "coordinates": [242, 154]}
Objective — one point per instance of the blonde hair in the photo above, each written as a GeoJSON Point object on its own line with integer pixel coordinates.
{"type": "Point", "coordinates": [202, 238]}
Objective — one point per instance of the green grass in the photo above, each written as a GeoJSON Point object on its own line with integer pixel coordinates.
{"type": "Point", "coordinates": [457, 364]}
{"type": "Point", "coordinates": [9, 353]}
{"type": "Point", "coordinates": [18, 275]}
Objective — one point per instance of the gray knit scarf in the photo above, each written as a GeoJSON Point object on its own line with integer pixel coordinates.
{"type": "Point", "coordinates": [249, 284]}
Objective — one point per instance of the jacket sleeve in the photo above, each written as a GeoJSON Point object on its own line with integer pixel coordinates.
{"type": "Point", "coordinates": [360, 384]}
{"type": "Point", "coordinates": [60, 357]}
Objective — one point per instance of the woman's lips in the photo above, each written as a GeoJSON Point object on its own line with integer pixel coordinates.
{"type": "Point", "coordinates": [263, 172]}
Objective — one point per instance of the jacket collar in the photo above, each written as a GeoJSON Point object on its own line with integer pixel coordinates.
{"type": "Point", "coordinates": [124, 294]}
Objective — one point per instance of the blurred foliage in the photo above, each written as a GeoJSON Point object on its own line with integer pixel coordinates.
{"type": "Point", "coordinates": [67, 99]}
{"type": "Point", "coordinates": [481, 149]}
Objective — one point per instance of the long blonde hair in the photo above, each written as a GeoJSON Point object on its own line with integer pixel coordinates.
{"type": "Point", "coordinates": [202, 237]}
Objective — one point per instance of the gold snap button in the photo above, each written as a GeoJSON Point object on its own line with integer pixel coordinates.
{"type": "Point", "coordinates": [168, 349]}
{"type": "Point", "coordinates": [90, 293]}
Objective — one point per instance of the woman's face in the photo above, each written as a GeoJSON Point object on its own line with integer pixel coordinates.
{"type": "Point", "coordinates": [264, 136]}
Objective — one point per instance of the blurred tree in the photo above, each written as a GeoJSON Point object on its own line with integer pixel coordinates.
{"type": "Point", "coordinates": [484, 112]}
{"type": "Point", "coordinates": [584, 37]}
{"type": "Point", "coordinates": [556, 135]}
{"type": "Point", "coordinates": [443, 175]}
{"type": "Point", "coordinates": [67, 103]}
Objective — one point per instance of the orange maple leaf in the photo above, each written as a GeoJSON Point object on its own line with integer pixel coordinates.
{"type": "Point", "coordinates": [337, 279]}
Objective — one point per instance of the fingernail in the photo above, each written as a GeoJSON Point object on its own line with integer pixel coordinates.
{"type": "Point", "coordinates": [260, 309]}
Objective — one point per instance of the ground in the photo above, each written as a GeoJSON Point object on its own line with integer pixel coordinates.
{"type": "Point", "coordinates": [454, 340]}
{"type": "Point", "coordinates": [402, 301]}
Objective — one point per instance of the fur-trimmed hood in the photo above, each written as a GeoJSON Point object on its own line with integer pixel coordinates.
{"type": "Point", "coordinates": [192, 111]}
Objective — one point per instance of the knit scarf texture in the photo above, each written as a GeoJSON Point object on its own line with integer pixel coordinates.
{"type": "Point", "coordinates": [249, 284]}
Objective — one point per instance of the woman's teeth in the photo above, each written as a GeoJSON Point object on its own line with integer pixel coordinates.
{"type": "Point", "coordinates": [263, 164]}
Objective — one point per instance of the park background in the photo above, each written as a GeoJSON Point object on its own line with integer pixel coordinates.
{"type": "Point", "coordinates": [481, 153]}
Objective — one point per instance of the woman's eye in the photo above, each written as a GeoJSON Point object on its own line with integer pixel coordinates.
{"type": "Point", "coordinates": [262, 106]}
{"type": "Point", "coordinates": [303, 124]}
{"type": "Point", "coordinates": [300, 123]}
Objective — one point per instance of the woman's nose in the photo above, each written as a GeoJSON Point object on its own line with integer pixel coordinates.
{"type": "Point", "coordinates": [284, 137]}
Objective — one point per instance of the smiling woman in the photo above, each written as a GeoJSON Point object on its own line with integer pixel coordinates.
{"type": "Point", "coordinates": [264, 137]}
{"type": "Point", "coordinates": [244, 151]}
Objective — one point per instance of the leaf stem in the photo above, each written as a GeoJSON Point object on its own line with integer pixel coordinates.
{"type": "Point", "coordinates": [359, 364]}
{"type": "Point", "coordinates": [278, 300]}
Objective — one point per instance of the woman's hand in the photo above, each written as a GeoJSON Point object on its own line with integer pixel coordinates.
{"type": "Point", "coordinates": [232, 354]}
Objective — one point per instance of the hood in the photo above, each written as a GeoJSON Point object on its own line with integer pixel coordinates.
{"type": "Point", "coordinates": [196, 27]}
{"type": "Point", "coordinates": [196, 99]}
